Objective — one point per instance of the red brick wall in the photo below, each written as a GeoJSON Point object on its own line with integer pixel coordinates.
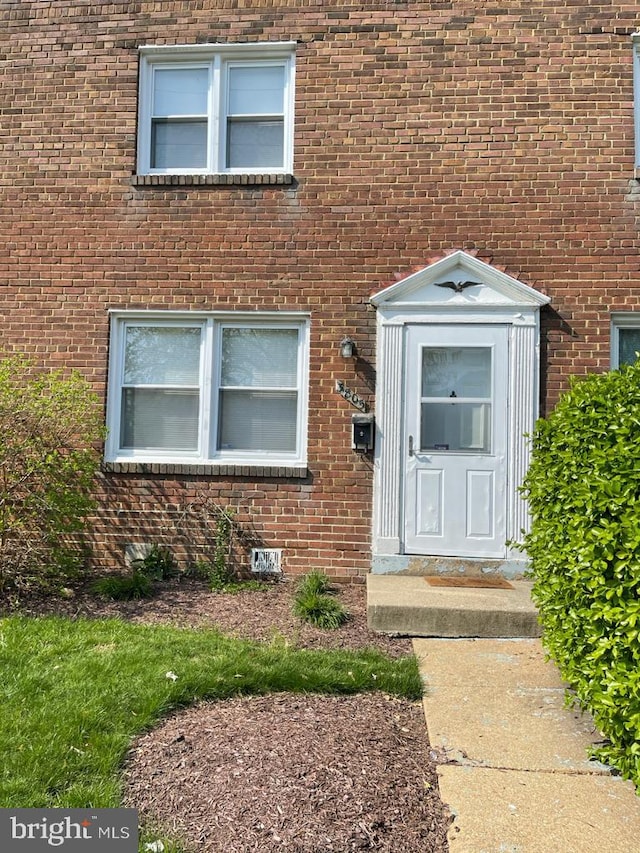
{"type": "Point", "coordinates": [503, 128]}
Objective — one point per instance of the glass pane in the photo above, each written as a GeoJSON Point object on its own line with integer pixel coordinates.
{"type": "Point", "coordinates": [629, 345]}
{"type": "Point", "coordinates": [162, 356]}
{"type": "Point", "coordinates": [456, 427]}
{"type": "Point", "coordinates": [178, 144]}
{"type": "Point", "coordinates": [260, 358]}
{"type": "Point", "coordinates": [255, 144]}
{"type": "Point", "coordinates": [457, 372]}
{"type": "Point", "coordinates": [180, 92]}
{"type": "Point", "coordinates": [256, 89]}
{"type": "Point", "coordinates": [258, 420]}
{"type": "Point", "coordinates": [159, 420]}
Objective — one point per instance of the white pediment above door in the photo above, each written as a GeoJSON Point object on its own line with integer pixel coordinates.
{"type": "Point", "coordinates": [458, 281]}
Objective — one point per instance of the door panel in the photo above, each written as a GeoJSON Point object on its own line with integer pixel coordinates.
{"type": "Point", "coordinates": [480, 503]}
{"type": "Point", "coordinates": [456, 440]}
{"type": "Point", "coordinates": [429, 503]}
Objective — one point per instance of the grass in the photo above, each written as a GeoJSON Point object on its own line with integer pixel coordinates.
{"type": "Point", "coordinates": [75, 693]}
{"type": "Point", "coordinates": [314, 603]}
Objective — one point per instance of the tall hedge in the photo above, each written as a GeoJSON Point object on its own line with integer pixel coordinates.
{"type": "Point", "coordinates": [583, 487]}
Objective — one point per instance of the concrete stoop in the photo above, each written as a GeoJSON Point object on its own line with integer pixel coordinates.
{"type": "Point", "coordinates": [409, 605]}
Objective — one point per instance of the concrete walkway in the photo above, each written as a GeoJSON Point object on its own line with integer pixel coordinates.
{"type": "Point", "coordinates": [513, 763]}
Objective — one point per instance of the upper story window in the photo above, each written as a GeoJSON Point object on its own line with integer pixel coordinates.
{"type": "Point", "coordinates": [216, 109]}
{"type": "Point", "coordinates": [206, 389]}
{"type": "Point", "coordinates": [625, 338]}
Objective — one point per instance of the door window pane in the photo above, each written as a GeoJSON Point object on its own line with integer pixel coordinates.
{"type": "Point", "coordinates": [462, 372]}
{"type": "Point", "coordinates": [456, 427]}
{"type": "Point", "coordinates": [455, 413]}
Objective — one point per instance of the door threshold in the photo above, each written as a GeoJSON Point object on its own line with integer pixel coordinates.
{"type": "Point", "coordinates": [470, 567]}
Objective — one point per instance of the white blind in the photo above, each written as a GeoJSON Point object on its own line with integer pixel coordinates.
{"type": "Point", "coordinates": [255, 144]}
{"type": "Point", "coordinates": [256, 90]}
{"type": "Point", "coordinates": [159, 420]}
{"type": "Point", "coordinates": [157, 355]}
{"type": "Point", "coordinates": [260, 358]}
{"type": "Point", "coordinates": [178, 144]}
{"type": "Point", "coordinates": [259, 390]}
{"type": "Point", "coordinates": [166, 417]}
{"type": "Point", "coordinates": [180, 92]}
{"type": "Point", "coordinates": [258, 420]}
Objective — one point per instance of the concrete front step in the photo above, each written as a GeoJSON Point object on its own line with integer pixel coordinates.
{"type": "Point", "coordinates": [409, 605]}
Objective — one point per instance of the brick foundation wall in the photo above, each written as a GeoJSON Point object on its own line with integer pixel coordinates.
{"type": "Point", "coordinates": [505, 129]}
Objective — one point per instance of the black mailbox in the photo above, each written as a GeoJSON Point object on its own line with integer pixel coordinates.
{"type": "Point", "coordinates": [362, 433]}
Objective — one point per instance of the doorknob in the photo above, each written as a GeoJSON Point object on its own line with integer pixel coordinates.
{"type": "Point", "coordinates": [411, 452]}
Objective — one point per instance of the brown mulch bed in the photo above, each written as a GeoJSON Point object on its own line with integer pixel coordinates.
{"type": "Point", "coordinates": [292, 773]}
{"type": "Point", "coordinates": [252, 615]}
{"type": "Point", "coordinates": [285, 772]}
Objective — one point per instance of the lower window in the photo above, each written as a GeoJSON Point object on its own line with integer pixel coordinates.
{"type": "Point", "coordinates": [625, 338]}
{"type": "Point", "coordinates": [214, 388]}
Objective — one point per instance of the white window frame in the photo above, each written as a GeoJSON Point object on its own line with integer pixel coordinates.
{"type": "Point", "coordinates": [217, 58]}
{"type": "Point", "coordinates": [621, 320]}
{"type": "Point", "coordinates": [635, 37]}
{"type": "Point", "coordinates": [212, 324]}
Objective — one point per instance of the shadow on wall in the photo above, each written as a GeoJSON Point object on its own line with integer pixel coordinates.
{"type": "Point", "coordinates": [178, 515]}
{"type": "Point", "coordinates": [554, 331]}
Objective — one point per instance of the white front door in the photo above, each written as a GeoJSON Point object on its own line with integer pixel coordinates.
{"type": "Point", "coordinates": [455, 443]}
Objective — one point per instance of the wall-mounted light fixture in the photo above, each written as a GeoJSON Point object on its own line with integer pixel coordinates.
{"type": "Point", "coordinates": [347, 348]}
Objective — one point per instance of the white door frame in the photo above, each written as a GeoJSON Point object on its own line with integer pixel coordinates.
{"type": "Point", "coordinates": [457, 289]}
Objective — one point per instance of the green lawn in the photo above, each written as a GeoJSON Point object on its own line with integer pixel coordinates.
{"type": "Point", "coordinates": [73, 694]}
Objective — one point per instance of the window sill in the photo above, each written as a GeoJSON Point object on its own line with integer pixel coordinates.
{"type": "Point", "coordinates": [212, 469]}
{"type": "Point", "coordinates": [211, 180]}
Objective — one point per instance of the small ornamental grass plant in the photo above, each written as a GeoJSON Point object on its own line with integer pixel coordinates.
{"type": "Point", "coordinates": [583, 488]}
{"type": "Point", "coordinates": [314, 603]}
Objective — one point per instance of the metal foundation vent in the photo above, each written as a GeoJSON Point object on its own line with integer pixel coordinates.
{"type": "Point", "coordinates": [266, 561]}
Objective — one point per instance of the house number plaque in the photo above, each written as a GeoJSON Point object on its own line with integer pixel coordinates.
{"type": "Point", "coordinates": [356, 401]}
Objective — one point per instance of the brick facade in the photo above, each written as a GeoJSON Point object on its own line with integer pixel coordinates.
{"type": "Point", "coordinates": [505, 129]}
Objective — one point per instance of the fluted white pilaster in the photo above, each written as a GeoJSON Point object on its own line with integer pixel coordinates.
{"type": "Point", "coordinates": [389, 414]}
{"type": "Point", "coordinates": [524, 406]}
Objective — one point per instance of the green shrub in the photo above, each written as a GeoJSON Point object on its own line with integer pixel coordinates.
{"type": "Point", "coordinates": [315, 582]}
{"type": "Point", "coordinates": [158, 564]}
{"type": "Point", "coordinates": [124, 587]}
{"type": "Point", "coordinates": [51, 427]}
{"type": "Point", "coordinates": [583, 488]}
{"type": "Point", "coordinates": [313, 604]}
